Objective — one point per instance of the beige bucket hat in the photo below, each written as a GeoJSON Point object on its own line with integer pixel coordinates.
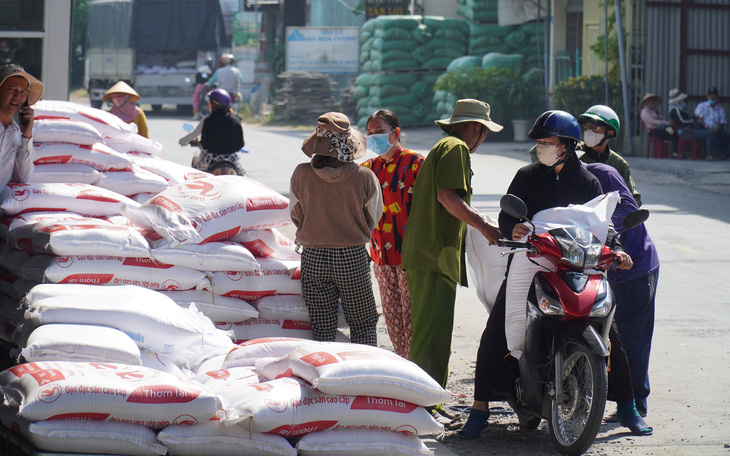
{"type": "Point", "coordinates": [335, 138]}
{"type": "Point", "coordinates": [121, 87]}
{"type": "Point", "coordinates": [469, 110]}
{"type": "Point", "coordinates": [675, 96]}
{"type": "Point", "coordinates": [35, 89]}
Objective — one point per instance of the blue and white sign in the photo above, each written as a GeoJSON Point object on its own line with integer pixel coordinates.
{"type": "Point", "coordinates": [329, 50]}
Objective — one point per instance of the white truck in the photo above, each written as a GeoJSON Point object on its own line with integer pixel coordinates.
{"type": "Point", "coordinates": [153, 45]}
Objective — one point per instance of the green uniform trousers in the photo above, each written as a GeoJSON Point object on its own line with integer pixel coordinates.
{"type": "Point", "coordinates": [433, 296]}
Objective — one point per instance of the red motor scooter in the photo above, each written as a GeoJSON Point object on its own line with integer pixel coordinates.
{"type": "Point", "coordinates": [563, 376]}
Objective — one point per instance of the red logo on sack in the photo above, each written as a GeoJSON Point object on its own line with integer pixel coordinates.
{"type": "Point", "coordinates": [162, 394]}
{"type": "Point", "coordinates": [46, 376]}
{"type": "Point", "coordinates": [49, 394]}
{"type": "Point", "coordinates": [296, 324]}
{"type": "Point", "coordinates": [64, 262]}
{"type": "Point", "coordinates": [93, 279]}
{"type": "Point", "coordinates": [166, 203]}
{"type": "Point", "coordinates": [89, 416]}
{"type": "Point", "coordinates": [172, 285]}
{"type": "Point", "coordinates": [53, 159]}
{"type": "Point", "coordinates": [258, 248]}
{"type": "Point", "coordinates": [385, 404]}
{"type": "Point", "coordinates": [275, 404]}
{"type": "Point", "coordinates": [317, 359]}
{"type": "Point", "coordinates": [146, 263]}
{"type": "Point", "coordinates": [95, 195]}
{"type": "Point", "coordinates": [20, 192]}
{"type": "Point", "coordinates": [288, 430]}
{"type": "Point", "coordinates": [249, 295]}
{"type": "Point", "coordinates": [265, 204]}
{"type": "Point", "coordinates": [202, 188]}
{"type": "Point", "coordinates": [222, 236]}
{"type": "Point", "coordinates": [25, 369]}
{"type": "Point", "coordinates": [185, 419]}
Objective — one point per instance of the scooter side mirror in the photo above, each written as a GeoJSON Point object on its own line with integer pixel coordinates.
{"type": "Point", "coordinates": [513, 206]}
{"type": "Point", "coordinates": [188, 127]}
{"type": "Point", "coordinates": [634, 219]}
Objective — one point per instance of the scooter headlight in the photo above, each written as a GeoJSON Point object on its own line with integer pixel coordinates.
{"type": "Point", "coordinates": [547, 302]}
{"type": "Point", "coordinates": [579, 247]}
{"type": "Point", "coordinates": [604, 301]}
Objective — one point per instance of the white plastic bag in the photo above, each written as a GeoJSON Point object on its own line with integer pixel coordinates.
{"type": "Point", "coordinates": [486, 264]}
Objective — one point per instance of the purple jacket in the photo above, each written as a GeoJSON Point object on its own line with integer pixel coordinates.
{"type": "Point", "coordinates": [636, 241]}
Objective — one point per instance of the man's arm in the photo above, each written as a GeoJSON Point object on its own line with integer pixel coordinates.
{"type": "Point", "coordinates": [23, 167]}
{"type": "Point", "coordinates": [452, 202]}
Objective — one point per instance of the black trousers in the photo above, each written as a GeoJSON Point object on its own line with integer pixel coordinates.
{"type": "Point", "coordinates": [496, 371]}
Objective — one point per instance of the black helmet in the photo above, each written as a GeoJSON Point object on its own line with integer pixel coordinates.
{"type": "Point", "coordinates": [556, 123]}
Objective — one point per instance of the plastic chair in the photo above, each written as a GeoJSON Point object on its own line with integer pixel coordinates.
{"type": "Point", "coordinates": [657, 144]}
{"type": "Point", "coordinates": [682, 144]}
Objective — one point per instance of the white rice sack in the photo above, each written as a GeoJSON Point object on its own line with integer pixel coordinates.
{"type": "Point", "coordinates": [268, 243]}
{"type": "Point", "coordinates": [136, 144]}
{"type": "Point", "coordinates": [132, 181]}
{"type": "Point", "coordinates": [88, 236]}
{"type": "Point", "coordinates": [150, 319]}
{"type": "Point", "coordinates": [291, 408]}
{"type": "Point", "coordinates": [257, 328]}
{"type": "Point", "coordinates": [246, 353]}
{"type": "Point", "coordinates": [143, 197]}
{"type": "Point", "coordinates": [67, 131]}
{"type": "Point", "coordinates": [64, 174]}
{"type": "Point", "coordinates": [85, 343]}
{"type": "Point", "coordinates": [111, 270]}
{"type": "Point", "coordinates": [97, 156]}
{"type": "Point", "coordinates": [214, 208]}
{"type": "Point", "coordinates": [215, 439]}
{"type": "Point", "coordinates": [485, 263]}
{"type": "Point", "coordinates": [109, 125]}
{"type": "Point", "coordinates": [361, 442]}
{"type": "Point", "coordinates": [54, 390]}
{"type": "Point", "coordinates": [174, 173]}
{"type": "Point", "coordinates": [86, 436]}
{"type": "Point", "coordinates": [43, 216]}
{"type": "Point", "coordinates": [282, 307]}
{"type": "Point", "coordinates": [163, 363]}
{"type": "Point", "coordinates": [82, 199]}
{"type": "Point", "coordinates": [218, 379]}
{"type": "Point", "coordinates": [211, 256]}
{"type": "Point", "coordinates": [217, 308]}
{"type": "Point", "coordinates": [275, 277]}
{"type": "Point", "coordinates": [213, 363]}
{"type": "Point", "coordinates": [362, 370]}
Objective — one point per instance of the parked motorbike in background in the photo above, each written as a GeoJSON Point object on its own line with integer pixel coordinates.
{"type": "Point", "coordinates": [217, 164]}
{"type": "Point", "coordinates": [563, 376]}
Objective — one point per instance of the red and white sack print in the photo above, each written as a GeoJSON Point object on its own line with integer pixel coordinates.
{"type": "Point", "coordinates": [64, 174]}
{"type": "Point", "coordinates": [337, 368]}
{"type": "Point", "coordinates": [275, 277]}
{"type": "Point", "coordinates": [246, 353]}
{"type": "Point", "coordinates": [105, 392]}
{"type": "Point", "coordinates": [214, 208]}
{"type": "Point", "coordinates": [109, 270]}
{"type": "Point", "coordinates": [88, 236]}
{"type": "Point", "coordinates": [291, 408]}
{"type": "Point", "coordinates": [106, 123]}
{"type": "Point", "coordinates": [210, 256]}
{"type": "Point", "coordinates": [216, 439]}
{"type": "Point", "coordinates": [216, 380]}
{"type": "Point", "coordinates": [153, 321]}
{"type": "Point", "coordinates": [268, 243]}
{"type": "Point", "coordinates": [98, 156]}
{"type": "Point", "coordinates": [257, 328]}
{"type": "Point", "coordinates": [217, 308]}
{"type": "Point", "coordinates": [17, 198]}
{"type": "Point", "coordinates": [131, 181]}
{"type": "Point", "coordinates": [62, 130]}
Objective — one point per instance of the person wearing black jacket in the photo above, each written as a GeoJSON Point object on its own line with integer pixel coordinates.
{"type": "Point", "coordinates": [222, 135]}
{"type": "Point", "coordinates": [556, 180]}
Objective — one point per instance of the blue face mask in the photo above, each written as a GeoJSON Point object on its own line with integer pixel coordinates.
{"type": "Point", "coordinates": [379, 143]}
{"type": "Point", "coordinates": [712, 102]}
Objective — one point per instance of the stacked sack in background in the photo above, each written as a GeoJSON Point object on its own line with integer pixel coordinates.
{"type": "Point", "coordinates": [478, 10]}
{"type": "Point", "coordinates": [401, 58]}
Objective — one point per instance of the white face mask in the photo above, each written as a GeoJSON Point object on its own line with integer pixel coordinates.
{"type": "Point", "coordinates": [547, 154]}
{"type": "Point", "coordinates": [592, 138]}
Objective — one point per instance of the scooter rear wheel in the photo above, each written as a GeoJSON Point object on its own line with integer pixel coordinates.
{"type": "Point", "coordinates": [574, 421]}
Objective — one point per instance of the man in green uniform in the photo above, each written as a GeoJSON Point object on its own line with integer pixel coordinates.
{"type": "Point", "coordinates": [433, 243]}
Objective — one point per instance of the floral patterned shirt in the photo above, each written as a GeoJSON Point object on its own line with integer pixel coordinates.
{"type": "Point", "coordinates": [396, 179]}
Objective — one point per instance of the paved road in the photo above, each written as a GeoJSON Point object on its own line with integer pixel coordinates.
{"type": "Point", "coordinates": [690, 366]}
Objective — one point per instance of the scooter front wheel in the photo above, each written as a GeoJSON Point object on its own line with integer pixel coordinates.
{"type": "Point", "coordinates": [577, 411]}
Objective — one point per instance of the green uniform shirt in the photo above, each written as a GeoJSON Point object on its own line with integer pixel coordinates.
{"type": "Point", "coordinates": [434, 239]}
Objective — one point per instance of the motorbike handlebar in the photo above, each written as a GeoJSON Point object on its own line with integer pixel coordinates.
{"type": "Point", "coordinates": [511, 244]}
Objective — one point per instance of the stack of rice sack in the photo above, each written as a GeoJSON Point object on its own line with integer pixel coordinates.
{"type": "Point", "coordinates": [419, 46]}
{"type": "Point", "coordinates": [325, 398]}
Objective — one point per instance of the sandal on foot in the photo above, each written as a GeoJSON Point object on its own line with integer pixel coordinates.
{"type": "Point", "coordinates": [638, 426]}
